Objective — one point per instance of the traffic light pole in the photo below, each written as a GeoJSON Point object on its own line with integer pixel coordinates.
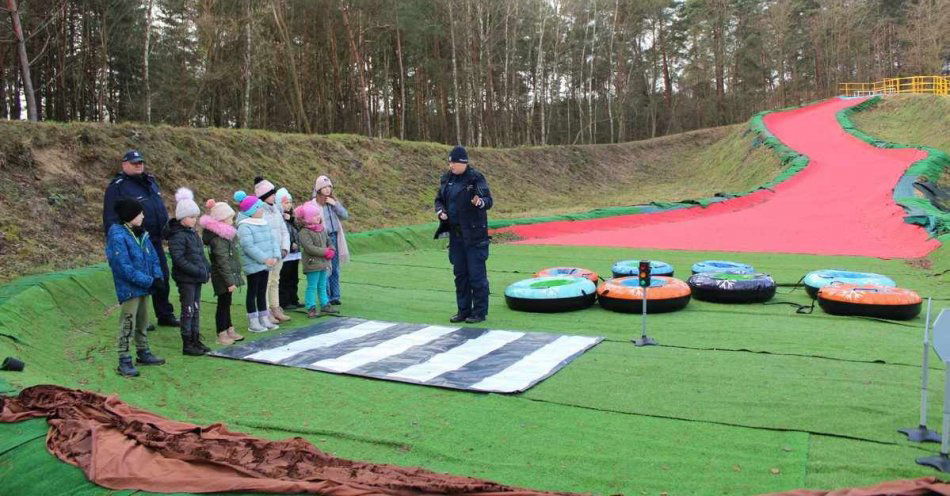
{"type": "Point", "coordinates": [644, 281]}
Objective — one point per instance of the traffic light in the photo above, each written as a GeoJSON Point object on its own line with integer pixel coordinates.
{"type": "Point", "coordinates": [644, 273]}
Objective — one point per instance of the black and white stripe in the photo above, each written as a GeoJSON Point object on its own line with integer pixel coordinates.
{"type": "Point", "coordinates": [452, 357]}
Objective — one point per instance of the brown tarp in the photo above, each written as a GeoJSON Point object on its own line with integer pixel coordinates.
{"type": "Point", "coordinates": [122, 447]}
{"type": "Point", "coordinates": [913, 487]}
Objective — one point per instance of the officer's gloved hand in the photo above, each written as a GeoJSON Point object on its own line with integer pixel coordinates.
{"type": "Point", "coordinates": [157, 285]}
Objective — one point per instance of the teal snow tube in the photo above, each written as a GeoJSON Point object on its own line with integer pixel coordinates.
{"type": "Point", "coordinates": [551, 294]}
{"type": "Point", "coordinates": [818, 279]}
{"type": "Point", "coordinates": [626, 268]}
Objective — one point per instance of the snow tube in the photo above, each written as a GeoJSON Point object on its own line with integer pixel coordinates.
{"type": "Point", "coordinates": [551, 294]}
{"type": "Point", "coordinates": [623, 294]}
{"type": "Point", "coordinates": [568, 271]}
{"type": "Point", "coordinates": [720, 266]}
{"type": "Point", "coordinates": [732, 287]}
{"type": "Point", "coordinates": [884, 302]}
{"type": "Point", "coordinates": [818, 279]}
{"type": "Point", "coordinates": [626, 268]}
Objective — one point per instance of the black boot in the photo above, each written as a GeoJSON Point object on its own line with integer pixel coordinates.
{"type": "Point", "coordinates": [126, 368]}
{"type": "Point", "coordinates": [145, 357]}
{"type": "Point", "coordinates": [197, 339]}
{"type": "Point", "coordinates": [189, 347]}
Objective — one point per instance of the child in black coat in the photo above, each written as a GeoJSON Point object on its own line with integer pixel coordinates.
{"type": "Point", "coordinates": [190, 268]}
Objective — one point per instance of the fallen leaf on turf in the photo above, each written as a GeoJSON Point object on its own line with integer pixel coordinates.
{"type": "Point", "coordinates": [736, 468]}
{"type": "Point", "coordinates": [775, 471]}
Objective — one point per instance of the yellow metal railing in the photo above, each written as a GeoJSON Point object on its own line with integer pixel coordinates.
{"type": "Point", "coordinates": [937, 85]}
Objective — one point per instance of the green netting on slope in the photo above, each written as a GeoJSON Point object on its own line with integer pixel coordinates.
{"type": "Point", "coordinates": [531, 440]}
{"type": "Point", "coordinates": [16, 286]}
{"type": "Point", "coordinates": [920, 211]}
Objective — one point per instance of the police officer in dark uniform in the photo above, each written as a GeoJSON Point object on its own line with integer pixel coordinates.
{"type": "Point", "coordinates": [461, 205]}
{"type": "Point", "coordinates": [134, 182]}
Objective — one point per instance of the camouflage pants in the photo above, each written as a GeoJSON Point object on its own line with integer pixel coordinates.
{"type": "Point", "coordinates": [133, 319]}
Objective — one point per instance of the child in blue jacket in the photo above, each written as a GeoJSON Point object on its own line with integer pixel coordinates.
{"type": "Point", "coordinates": [260, 254]}
{"type": "Point", "coordinates": [136, 273]}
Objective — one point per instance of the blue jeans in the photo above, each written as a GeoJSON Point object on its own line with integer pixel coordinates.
{"type": "Point", "coordinates": [333, 284]}
{"type": "Point", "coordinates": [316, 287]}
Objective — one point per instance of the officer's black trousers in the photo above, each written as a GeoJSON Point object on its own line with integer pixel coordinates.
{"type": "Point", "coordinates": [471, 276]}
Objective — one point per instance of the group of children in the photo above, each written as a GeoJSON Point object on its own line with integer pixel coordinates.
{"type": "Point", "coordinates": [266, 238]}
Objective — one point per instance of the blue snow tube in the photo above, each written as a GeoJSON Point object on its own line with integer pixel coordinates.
{"type": "Point", "coordinates": [551, 294]}
{"type": "Point", "coordinates": [818, 279]}
{"type": "Point", "coordinates": [721, 266]}
{"type": "Point", "coordinates": [732, 287]}
{"type": "Point", "coordinates": [626, 268]}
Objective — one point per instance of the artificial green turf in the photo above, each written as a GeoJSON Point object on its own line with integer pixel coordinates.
{"type": "Point", "coordinates": [696, 415]}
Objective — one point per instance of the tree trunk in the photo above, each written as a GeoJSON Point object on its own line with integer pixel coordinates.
{"type": "Point", "coordinates": [719, 56]}
{"type": "Point", "coordinates": [612, 87]}
{"type": "Point", "coordinates": [246, 69]}
{"type": "Point", "coordinates": [667, 81]}
{"type": "Point", "coordinates": [361, 72]}
{"type": "Point", "coordinates": [509, 117]}
{"type": "Point", "coordinates": [303, 123]}
{"type": "Point", "coordinates": [31, 112]}
{"type": "Point", "coordinates": [592, 127]}
{"type": "Point", "coordinates": [145, 52]}
{"type": "Point", "coordinates": [455, 77]}
{"type": "Point", "coordinates": [469, 78]}
{"type": "Point", "coordinates": [103, 78]}
{"type": "Point", "coordinates": [538, 83]}
{"type": "Point", "coordinates": [402, 81]}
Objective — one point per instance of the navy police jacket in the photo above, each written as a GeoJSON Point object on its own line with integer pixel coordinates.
{"type": "Point", "coordinates": [143, 188]}
{"type": "Point", "coordinates": [472, 221]}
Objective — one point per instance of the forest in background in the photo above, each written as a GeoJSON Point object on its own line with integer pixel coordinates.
{"type": "Point", "coordinates": [478, 72]}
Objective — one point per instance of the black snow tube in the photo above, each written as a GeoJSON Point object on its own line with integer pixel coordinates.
{"type": "Point", "coordinates": [732, 287]}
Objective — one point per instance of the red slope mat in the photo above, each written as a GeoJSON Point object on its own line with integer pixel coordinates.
{"type": "Point", "coordinates": [840, 204]}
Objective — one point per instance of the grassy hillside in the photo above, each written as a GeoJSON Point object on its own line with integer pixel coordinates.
{"type": "Point", "coordinates": [911, 119]}
{"type": "Point", "coordinates": [52, 176]}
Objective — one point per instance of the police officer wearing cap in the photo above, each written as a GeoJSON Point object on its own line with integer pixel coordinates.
{"type": "Point", "coordinates": [461, 205]}
{"type": "Point", "coordinates": [134, 182]}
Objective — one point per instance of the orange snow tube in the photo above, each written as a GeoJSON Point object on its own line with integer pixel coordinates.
{"type": "Point", "coordinates": [623, 294]}
{"type": "Point", "coordinates": [568, 271]}
{"type": "Point", "coordinates": [869, 301]}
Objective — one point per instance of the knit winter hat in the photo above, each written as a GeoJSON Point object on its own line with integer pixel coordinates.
{"type": "Point", "coordinates": [219, 210]}
{"type": "Point", "coordinates": [263, 188]}
{"type": "Point", "coordinates": [309, 213]}
{"type": "Point", "coordinates": [127, 209]}
{"type": "Point", "coordinates": [458, 155]}
{"type": "Point", "coordinates": [320, 183]}
{"type": "Point", "coordinates": [248, 204]}
{"type": "Point", "coordinates": [280, 195]}
{"type": "Point", "coordinates": [186, 206]}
